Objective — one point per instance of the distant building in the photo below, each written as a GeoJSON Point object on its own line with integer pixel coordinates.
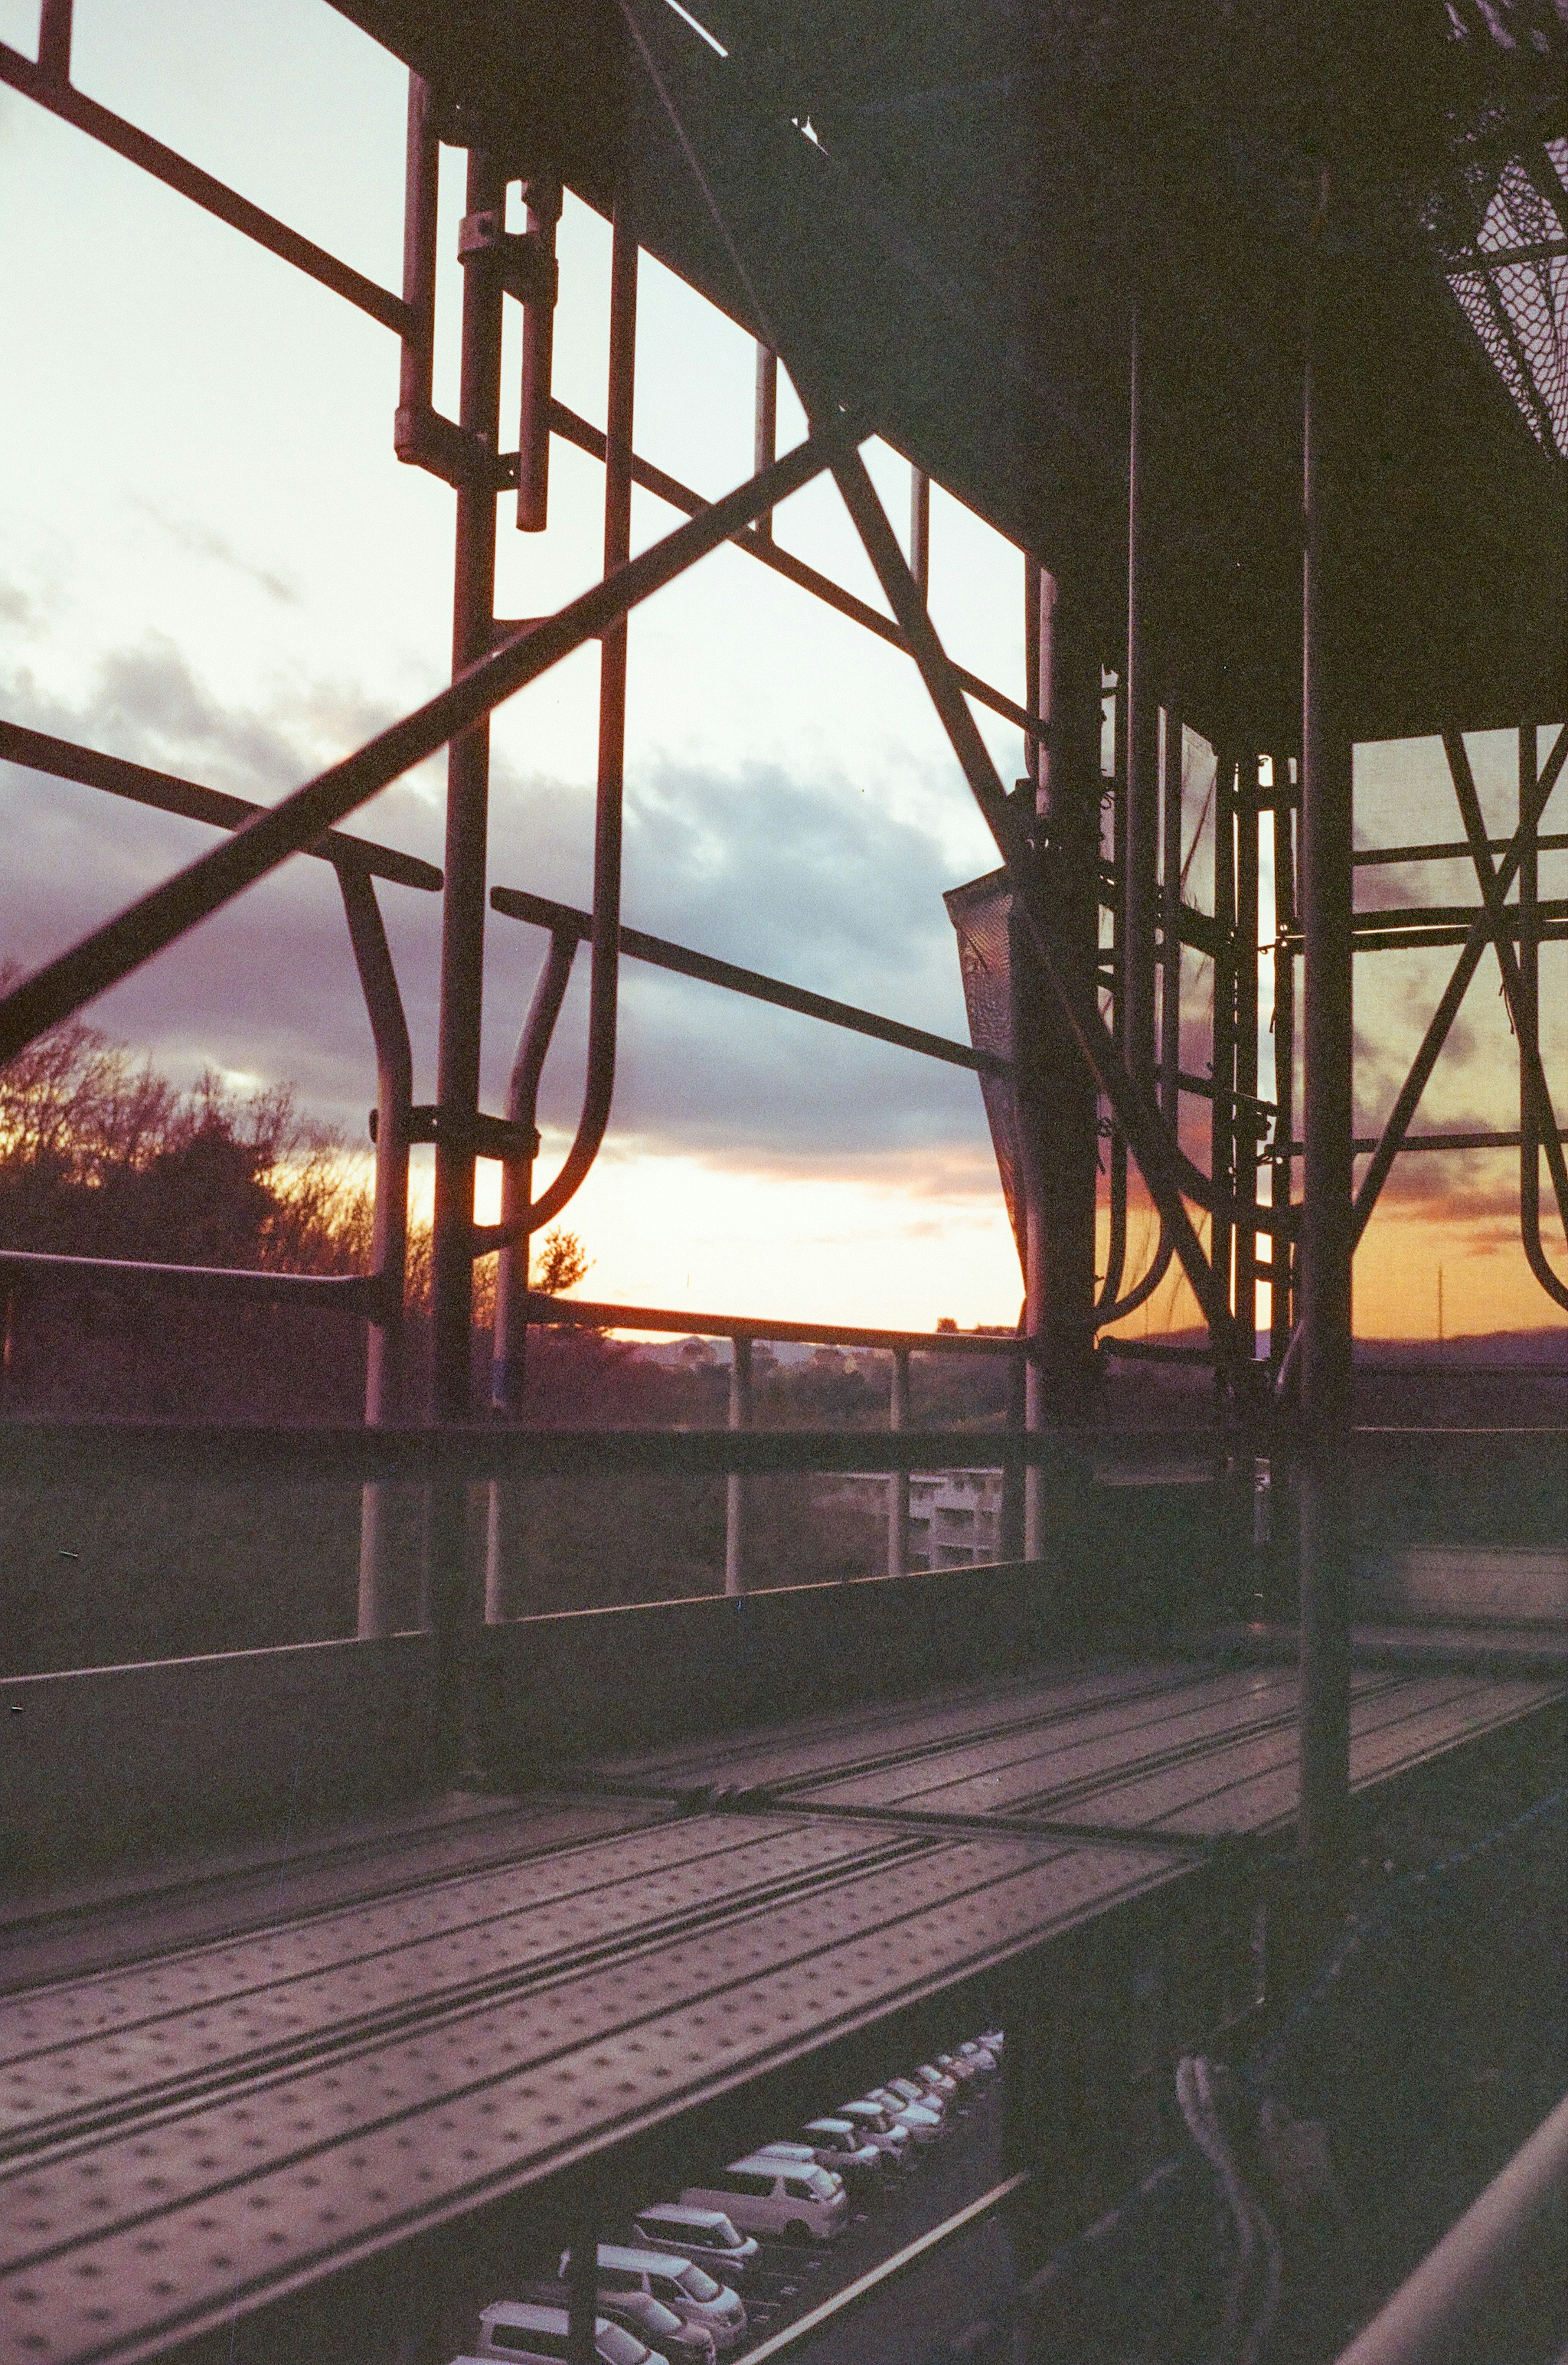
{"type": "Point", "coordinates": [955, 1516]}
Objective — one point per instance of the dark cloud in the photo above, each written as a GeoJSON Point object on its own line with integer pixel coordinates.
{"type": "Point", "coordinates": [808, 881]}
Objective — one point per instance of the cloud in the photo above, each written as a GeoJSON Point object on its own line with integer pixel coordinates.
{"type": "Point", "coordinates": [197, 540]}
{"type": "Point", "coordinates": [806, 880]}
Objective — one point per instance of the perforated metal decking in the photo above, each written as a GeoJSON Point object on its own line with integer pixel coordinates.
{"type": "Point", "coordinates": [200, 2124]}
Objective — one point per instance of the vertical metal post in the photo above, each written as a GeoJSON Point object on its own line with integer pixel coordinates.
{"type": "Point", "coordinates": [1171, 917]}
{"type": "Point", "coordinates": [1141, 833]}
{"type": "Point", "coordinates": [898, 1485]}
{"type": "Point", "coordinates": [582, 2289]}
{"type": "Point", "coordinates": [735, 1571]}
{"type": "Point", "coordinates": [1327, 1171]}
{"type": "Point", "coordinates": [1280, 1314]}
{"type": "Point", "coordinates": [420, 194]}
{"type": "Point", "coordinates": [1221, 1107]}
{"type": "Point", "coordinates": [764, 447]}
{"type": "Point", "coordinates": [543, 200]}
{"type": "Point", "coordinates": [1244, 1131]}
{"type": "Point", "coordinates": [54, 42]}
{"type": "Point", "coordinates": [1529, 1016]}
{"type": "Point", "coordinates": [1057, 1104]}
{"type": "Point", "coordinates": [468, 800]}
{"type": "Point", "coordinates": [446, 1605]}
{"type": "Point", "coordinates": [389, 1237]}
{"type": "Point", "coordinates": [920, 531]}
{"type": "Point", "coordinates": [1011, 1541]}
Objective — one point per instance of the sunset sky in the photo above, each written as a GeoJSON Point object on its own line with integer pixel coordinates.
{"type": "Point", "coordinates": [211, 562]}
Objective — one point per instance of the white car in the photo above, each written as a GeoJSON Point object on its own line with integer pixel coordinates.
{"type": "Point", "coordinates": [845, 2149]}
{"type": "Point", "coordinates": [924, 2125]}
{"type": "Point", "coordinates": [793, 2198]}
{"type": "Point", "coordinates": [530, 2333]}
{"type": "Point", "coordinates": [978, 2055]}
{"type": "Point", "coordinates": [879, 2126]}
{"type": "Point", "coordinates": [683, 2284]}
{"type": "Point", "coordinates": [938, 2081]}
{"type": "Point", "coordinates": [703, 2234]}
{"type": "Point", "coordinates": [954, 2064]}
{"type": "Point", "coordinates": [909, 2092]}
{"type": "Point", "coordinates": [668, 2334]}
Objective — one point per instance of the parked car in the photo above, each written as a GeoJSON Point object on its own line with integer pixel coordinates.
{"type": "Point", "coordinates": [978, 2055]}
{"type": "Point", "coordinates": [909, 2091]}
{"type": "Point", "coordinates": [682, 2284]}
{"type": "Point", "coordinates": [953, 2065]}
{"type": "Point", "coordinates": [531, 2334]}
{"type": "Point", "coordinates": [935, 2080]}
{"type": "Point", "coordinates": [793, 2198]}
{"type": "Point", "coordinates": [993, 2039]}
{"type": "Point", "coordinates": [878, 2127]}
{"type": "Point", "coordinates": [666, 2334]}
{"type": "Point", "coordinates": [845, 2149]}
{"type": "Point", "coordinates": [703, 2233]}
{"type": "Point", "coordinates": [924, 2125]}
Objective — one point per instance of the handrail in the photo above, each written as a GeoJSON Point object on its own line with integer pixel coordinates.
{"type": "Point", "coordinates": [63, 759]}
{"type": "Point", "coordinates": [1422, 2322]}
{"type": "Point", "coordinates": [563, 920]}
{"type": "Point", "coordinates": [586, 1314]}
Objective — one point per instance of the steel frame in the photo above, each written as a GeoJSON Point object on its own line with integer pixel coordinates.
{"type": "Point", "coordinates": [1100, 1023]}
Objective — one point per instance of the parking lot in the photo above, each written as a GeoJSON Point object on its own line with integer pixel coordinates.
{"type": "Point", "coordinates": [909, 2315]}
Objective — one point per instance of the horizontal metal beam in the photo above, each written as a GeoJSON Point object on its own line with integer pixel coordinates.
{"type": "Point", "coordinates": [40, 751]}
{"type": "Point", "coordinates": [1450, 850]}
{"type": "Point", "coordinates": [562, 919]}
{"type": "Point", "coordinates": [759, 545]}
{"type": "Point", "coordinates": [160, 918]}
{"type": "Point", "coordinates": [352, 1293]}
{"type": "Point", "coordinates": [214, 197]}
{"type": "Point", "coordinates": [584, 1314]}
{"type": "Point", "coordinates": [43, 1452]}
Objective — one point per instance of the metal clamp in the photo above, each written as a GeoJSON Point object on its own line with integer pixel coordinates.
{"type": "Point", "coordinates": [528, 267]}
{"type": "Point", "coordinates": [486, 1137]}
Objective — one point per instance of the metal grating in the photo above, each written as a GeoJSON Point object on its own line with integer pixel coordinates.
{"type": "Point", "coordinates": [1177, 1752]}
{"type": "Point", "coordinates": [655, 1970]}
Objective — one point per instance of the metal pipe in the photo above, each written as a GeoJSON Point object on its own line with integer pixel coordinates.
{"type": "Point", "coordinates": [63, 759]}
{"type": "Point", "coordinates": [1173, 775]}
{"type": "Point", "coordinates": [1132, 1104]}
{"type": "Point", "coordinates": [542, 192]}
{"type": "Point", "coordinates": [1533, 1074]}
{"type": "Point", "coordinates": [586, 438]}
{"type": "Point", "coordinates": [123, 944]}
{"type": "Point", "coordinates": [1452, 995]}
{"type": "Point", "coordinates": [1327, 1232]}
{"type": "Point", "coordinates": [604, 977]}
{"type": "Point", "coordinates": [1141, 777]}
{"type": "Point", "coordinates": [736, 1573]}
{"type": "Point", "coordinates": [582, 2289]}
{"type": "Point", "coordinates": [595, 1316]}
{"type": "Point", "coordinates": [507, 1362]}
{"type": "Point", "coordinates": [1531, 1129]}
{"type": "Point", "coordinates": [920, 532]}
{"type": "Point", "coordinates": [421, 183]}
{"type": "Point", "coordinates": [214, 197]}
{"type": "Point", "coordinates": [562, 919]}
{"type": "Point", "coordinates": [1518, 2219]}
{"type": "Point", "coordinates": [346, 1292]}
{"type": "Point", "coordinates": [468, 823]}
{"type": "Point", "coordinates": [1221, 1107]}
{"type": "Point", "coordinates": [1280, 1317]}
{"type": "Point", "coordinates": [765, 443]}
{"type": "Point", "coordinates": [898, 1485]}
{"type": "Point", "coordinates": [1244, 1112]}
{"type": "Point", "coordinates": [54, 42]}
{"type": "Point", "coordinates": [389, 1236]}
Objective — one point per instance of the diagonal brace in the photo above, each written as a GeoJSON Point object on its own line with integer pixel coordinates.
{"type": "Point", "coordinates": [1131, 1101]}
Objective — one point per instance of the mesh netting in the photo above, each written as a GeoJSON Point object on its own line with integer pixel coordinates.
{"type": "Point", "coordinates": [981, 913]}
{"type": "Point", "coordinates": [1520, 308]}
